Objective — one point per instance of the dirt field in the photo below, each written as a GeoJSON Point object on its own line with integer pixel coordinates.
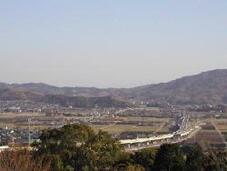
{"type": "Point", "coordinates": [221, 124]}
{"type": "Point", "coordinates": [135, 124]}
{"type": "Point", "coordinates": [117, 129]}
{"type": "Point", "coordinates": [147, 119]}
{"type": "Point", "coordinates": [13, 115]}
{"type": "Point", "coordinates": [209, 136]}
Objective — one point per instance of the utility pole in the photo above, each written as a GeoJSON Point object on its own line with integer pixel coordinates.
{"type": "Point", "coordinates": [29, 133]}
{"type": "Point", "coordinates": [196, 122]}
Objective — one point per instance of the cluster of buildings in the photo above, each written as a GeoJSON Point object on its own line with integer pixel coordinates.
{"type": "Point", "coordinates": [19, 106]}
{"type": "Point", "coordinates": [12, 136]}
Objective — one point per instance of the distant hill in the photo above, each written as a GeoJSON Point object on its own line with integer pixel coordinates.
{"type": "Point", "coordinates": [84, 102]}
{"type": "Point", "coordinates": [61, 100]}
{"type": "Point", "coordinates": [7, 94]}
{"type": "Point", "coordinates": [46, 89]}
{"type": "Point", "coordinates": [205, 88]}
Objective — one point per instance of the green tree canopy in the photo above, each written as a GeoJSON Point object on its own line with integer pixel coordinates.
{"type": "Point", "coordinates": [194, 157]}
{"type": "Point", "coordinates": [79, 147]}
{"type": "Point", "coordinates": [145, 158]}
{"type": "Point", "coordinates": [169, 158]}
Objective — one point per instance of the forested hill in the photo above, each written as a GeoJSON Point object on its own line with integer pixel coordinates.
{"type": "Point", "coordinates": [207, 87]}
{"type": "Point", "coordinates": [62, 100]}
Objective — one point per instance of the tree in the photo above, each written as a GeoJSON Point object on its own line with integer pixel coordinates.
{"type": "Point", "coordinates": [169, 158]}
{"type": "Point", "coordinates": [145, 158]}
{"type": "Point", "coordinates": [194, 157]}
{"type": "Point", "coordinates": [104, 149]}
{"type": "Point", "coordinates": [124, 160]}
{"type": "Point", "coordinates": [135, 168]}
{"type": "Point", "coordinates": [78, 147]}
{"type": "Point", "coordinates": [22, 160]}
{"type": "Point", "coordinates": [215, 161]}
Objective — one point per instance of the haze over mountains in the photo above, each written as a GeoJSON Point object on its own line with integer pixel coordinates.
{"type": "Point", "coordinates": [205, 88]}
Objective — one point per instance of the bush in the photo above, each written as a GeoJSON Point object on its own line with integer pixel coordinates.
{"type": "Point", "coordinates": [22, 160]}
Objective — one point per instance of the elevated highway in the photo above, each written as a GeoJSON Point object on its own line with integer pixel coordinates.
{"type": "Point", "coordinates": [177, 136]}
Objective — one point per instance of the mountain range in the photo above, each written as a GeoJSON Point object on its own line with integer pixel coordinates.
{"type": "Point", "coordinates": [205, 88]}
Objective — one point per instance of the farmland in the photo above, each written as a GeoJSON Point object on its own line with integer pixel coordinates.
{"type": "Point", "coordinates": [135, 124]}
{"type": "Point", "coordinates": [211, 135]}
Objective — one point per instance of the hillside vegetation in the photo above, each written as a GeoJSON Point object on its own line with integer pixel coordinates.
{"type": "Point", "coordinates": [205, 88]}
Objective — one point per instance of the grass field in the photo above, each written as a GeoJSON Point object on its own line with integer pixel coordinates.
{"type": "Point", "coordinates": [148, 124]}
{"type": "Point", "coordinates": [117, 129]}
{"type": "Point", "coordinates": [147, 119]}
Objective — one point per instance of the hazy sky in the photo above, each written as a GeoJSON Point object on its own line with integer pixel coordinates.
{"type": "Point", "coordinates": [110, 43]}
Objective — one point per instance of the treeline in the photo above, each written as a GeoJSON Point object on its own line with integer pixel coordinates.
{"type": "Point", "coordinates": [84, 102]}
{"type": "Point", "coordinates": [78, 148]}
{"type": "Point", "coordinates": [62, 100]}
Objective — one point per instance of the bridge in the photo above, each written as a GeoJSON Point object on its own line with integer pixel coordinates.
{"type": "Point", "coordinates": [178, 136]}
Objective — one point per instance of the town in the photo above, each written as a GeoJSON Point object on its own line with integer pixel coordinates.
{"type": "Point", "coordinates": [140, 127]}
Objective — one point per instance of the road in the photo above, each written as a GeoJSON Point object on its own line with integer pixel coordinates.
{"type": "Point", "coordinates": [183, 133]}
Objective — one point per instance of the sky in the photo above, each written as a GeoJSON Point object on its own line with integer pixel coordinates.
{"type": "Point", "coordinates": [110, 43]}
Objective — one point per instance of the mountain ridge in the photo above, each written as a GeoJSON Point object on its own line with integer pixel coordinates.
{"type": "Point", "coordinates": [206, 87]}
